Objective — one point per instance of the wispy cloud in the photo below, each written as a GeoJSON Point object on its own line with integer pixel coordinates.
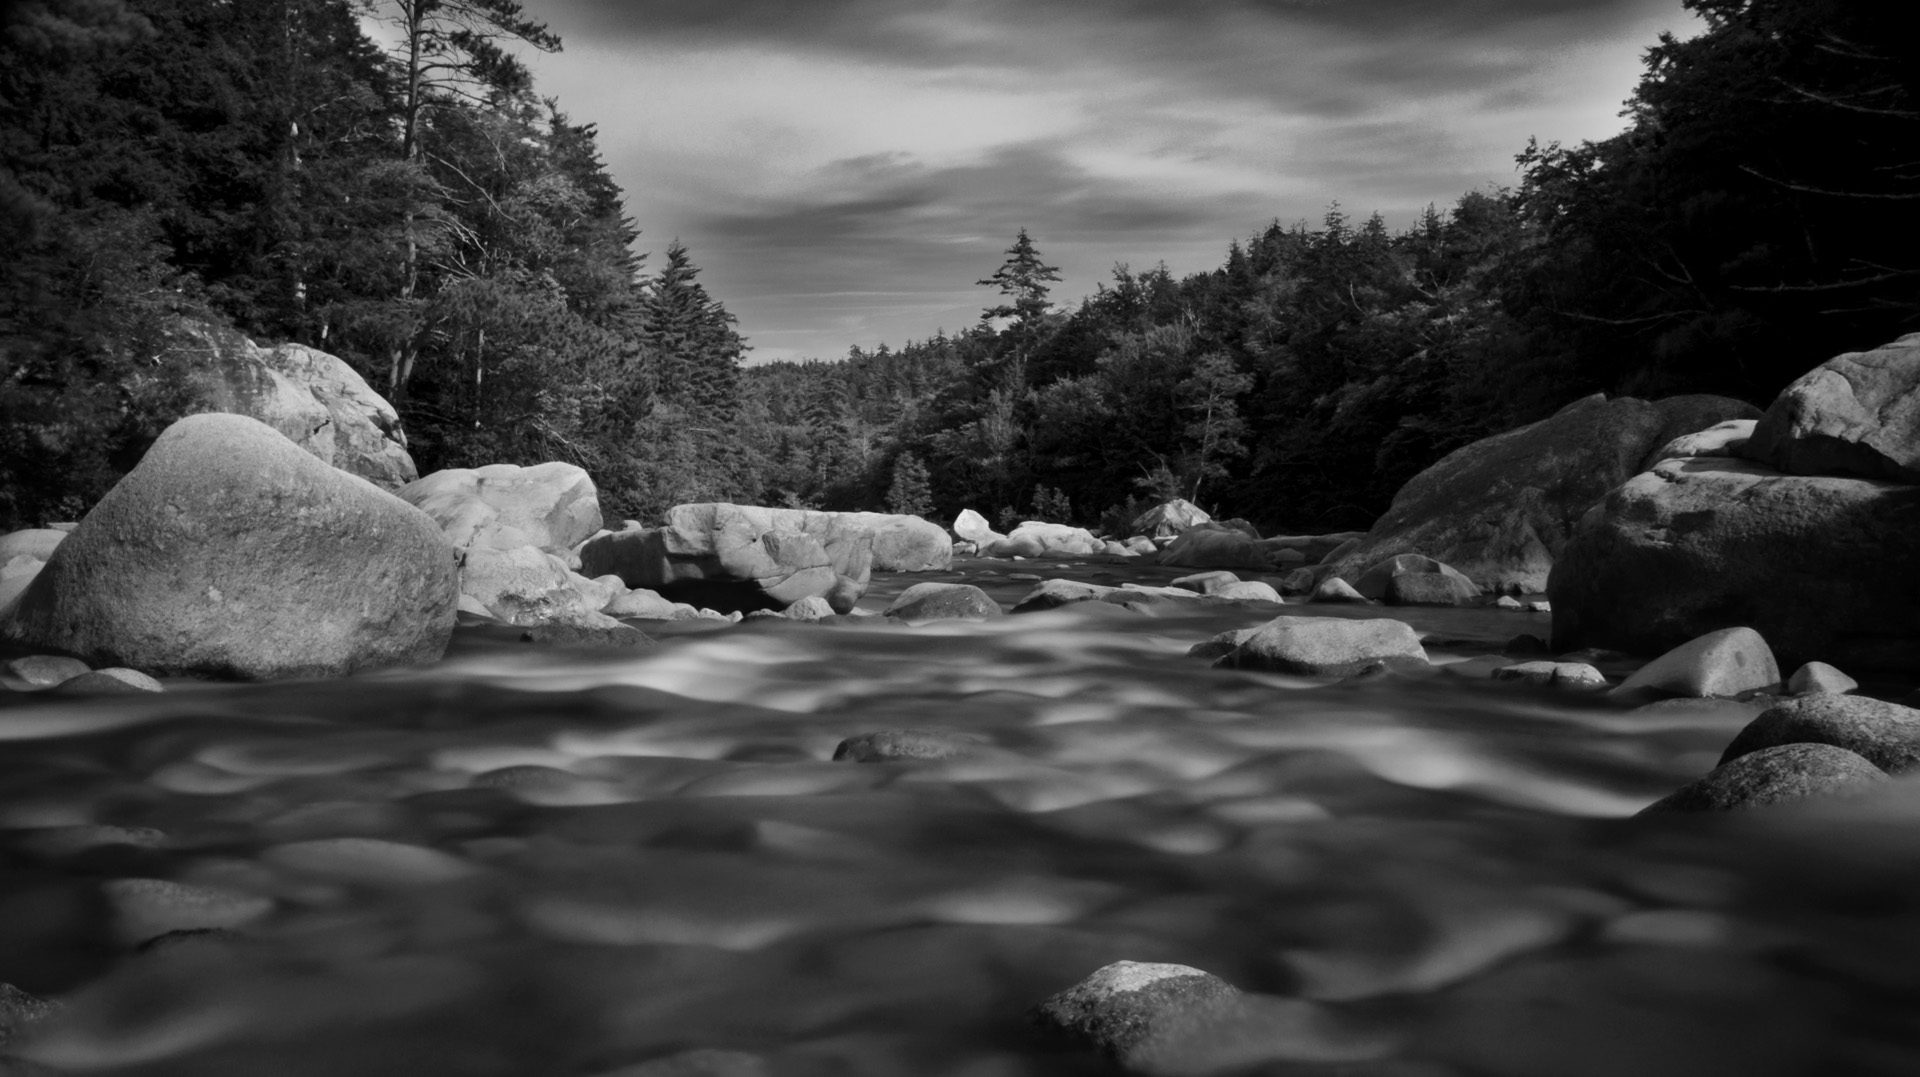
{"type": "Point", "coordinates": [845, 169]}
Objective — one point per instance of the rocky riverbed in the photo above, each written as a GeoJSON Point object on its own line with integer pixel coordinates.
{"type": "Point", "coordinates": [534, 860]}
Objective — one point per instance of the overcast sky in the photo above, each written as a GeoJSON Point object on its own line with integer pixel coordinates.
{"type": "Point", "coordinates": [844, 170]}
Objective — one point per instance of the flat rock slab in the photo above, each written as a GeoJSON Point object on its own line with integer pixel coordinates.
{"type": "Point", "coordinates": [1324, 646]}
{"type": "Point", "coordinates": [1723, 663]}
{"type": "Point", "coordinates": [1772, 776]}
{"type": "Point", "coordinates": [1574, 675]}
{"type": "Point", "coordinates": [1885, 734]}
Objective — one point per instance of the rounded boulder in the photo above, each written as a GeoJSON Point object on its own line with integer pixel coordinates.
{"type": "Point", "coordinates": [231, 552]}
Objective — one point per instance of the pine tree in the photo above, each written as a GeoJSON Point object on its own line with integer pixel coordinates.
{"type": "Point", "coordinates": [1022, 279]}
{"type": "Point", "coordinates": [911, 492]}
{"type": "Point", "coordinates": [695, 349]}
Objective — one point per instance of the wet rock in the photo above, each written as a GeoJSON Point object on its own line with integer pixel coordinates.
{"type": "Point", "coordinates": [1500, 509]}
{"type": "Point", "coordinates": [1855, 414]}
{"type": "Point", "coordinates": [1378, 578]}
{"type": "Point", "coordinates": [1723, 663]}
{"type": "Point", "coordinates": [1771, 776]}
{"type": "Point", "coordinates": [1170, 519]}
{"type": "Point", "coordinates": [1202, 547]}
{"type": "Point", "coordinates": [942, 602]}
{"type": "Point", "coordinates": [1721, 439]}
{"type": "Point", "coordinates": [1885, 734]}
{"type": "Point", "coordinates": [1324, 646]}
{"type": "Point", "coordinates": [1052, 594]}
{"type": "Point", "coordinates": [893, 745]}
{"type": "Point", "coordinates": [1206, 582]}
{"type": "Point", "coordinates": [1824, 567]}
{"type": "Point", "coordinates": [46, 670]}
{"type": "Point", "coordinates": [1574, 675]}
{"type": "Point", "coordinates": [1123, 1004]}
{"type": "Point", "coordinates": [1222, 644]}
{"type": "Point", "coordinates": [744, 556]}
{"type": "Point", "coordinates": [144, 908]}
{"type": "Point", "coordinates": [1248, 591]}
{"type": "Point", "coordinates": [1816, 678]}
{"type": "Point", "coordinates": [111, 681]}
{"type": "Point", "coordinates": [553, 506]}
{"type": "Point", "coordinates": [1335, 589]}
{"type": "Point", "coordinates": [1036, 538]}
{"type": "Point", "coordinates": [1429, 589]}
{"type": "Point", "coordinates": [229, 552]}
{"type": "Point", "coordinates": [591, 632]}
{"type": "Point", "coordinates": [811, 608]}
{"type": "Point", "coordinates": [20, 1010]}
{"type": "Point", "coordinates": [1506, 602]}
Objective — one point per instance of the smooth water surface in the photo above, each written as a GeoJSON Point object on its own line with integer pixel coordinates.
{"type": "Point", "coordinates": [537, 862]}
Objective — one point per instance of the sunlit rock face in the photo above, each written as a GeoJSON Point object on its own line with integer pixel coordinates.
{"type": "Point", "coordinates": [553, 506]}
{"type": "Point", "coordinates": [1172, 518]}
{"type": "Point", "coordinates": [745, 557]}
{"type": "Point", "coordinates": [1823, 567]}
{"type": "Point", "coordinates": [1855, 414]}
{"type": "Point", "coordinates": [231, 552]}
{"type": "Point", "coordinates": [1500, 509]}
{"type": "Point", "coordinates": [313, 398]}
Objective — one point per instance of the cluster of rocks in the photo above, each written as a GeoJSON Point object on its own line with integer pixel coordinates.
{"type": "Point", "coordinates": [1178, 534]}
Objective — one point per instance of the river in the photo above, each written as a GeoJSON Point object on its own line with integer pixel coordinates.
{"type": "Point", "coordinates": [542, 863]}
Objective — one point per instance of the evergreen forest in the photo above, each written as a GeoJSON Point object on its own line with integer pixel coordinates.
{"type": "Point", "coordinates": [413, 205]}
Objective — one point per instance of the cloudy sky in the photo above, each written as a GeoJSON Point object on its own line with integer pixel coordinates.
{"type": "Point", "coordinates": [845, 170]}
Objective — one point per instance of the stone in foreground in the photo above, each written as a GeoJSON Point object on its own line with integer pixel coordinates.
{"type": "Point", "coordinates": [1772, 776]}
{"type": "Point", "coordinates": [46, 670]}
{"type": "Point", "coordinates": [1885, 734]}
{"type": "Point", "coordinates": [942, 602]}
{"type": "Point", "coordinates": [893, 745]}
{"type": "Point", "coordinates": [230, 552]}
{"type": "Point", "coordinates": [1325, 646]}
{"type": "Point", "coordinates": [1723, 663]}
{"type": "Point", "coordinates": [1123, 1004]}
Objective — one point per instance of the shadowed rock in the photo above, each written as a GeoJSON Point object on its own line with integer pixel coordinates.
{"type": "Point", "coordinates": [1855, 414]}
{"type": "Point", "coordinates": [1885, 734]}
{"type": "Point", "coordinates": [1772, 776]}
{"type": "Point", "coordinates": [892, 745]}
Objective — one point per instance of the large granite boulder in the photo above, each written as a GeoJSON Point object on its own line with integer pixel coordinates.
{"type": "Point", "coordinates": [1036, 538]}
{"type": "Point", "coordinates": [1208, 547]}
{"type": "Point", "coordinates": [1500, 509]}
{"type": "Point", "coordinates": [553, 506]}
{"type": "Point", "coordinates": [1823, 567]}
{"type": "Point", "coordinates": [740, 557]}
{"type": "Point", "coordinates": [1166, 521]}
{"type": "Point", "coordinates": [313, 398]}
{"type": "Point", "coordinates": [528, 586]}
{"type": "Point", "coordinates": [1885, 734]}
{"type": "Point", "coordinates": [1855, 414]}
{"type": "Point", "coordinates": [900, 543]}
{"type": "Point", "coordinates": [973, 527]}
{"type": "Point", "coordinates": [231, 552]}
{"type": "Point", "coordinates": [35, 542]}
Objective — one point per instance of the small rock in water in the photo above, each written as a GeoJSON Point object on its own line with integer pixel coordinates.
{"type": "Point", "coordinates": [1526, 643]}
{"type": "Point", "coordinates": [46, 670]}
{"type": "Point", "coordinates": [1773, 775]}
{"type": "Point", "coordinates": [108, 682]}
{"type": "Point", "coordinates": [1298, 582]}
{"type": "Point", "coordinates": [1322, 646]}
{"type": "Point", "coordinates": [811, 608]}
{"type": "Point", "coordinates": [942, 602]}
{"type": "Point", "coordinates": [18, 1010]}
{"type": "Point", "coordinates": [596, 631]}
{"type": "Point", "coordinates": [1542, 606]}
{"type": "Point", "coordinates": [1575, 675]}
{"type": "Point", "coordinates": [144, 908]}
{"type": "Point", "coordinates": [1336, 589]}
{"type": "Point", "coordinates": [1025, 577]}
{"type": "Point", "coordinates": [1817, 678]}
{"type": "Point", "coordinates": [1723, 663]}
{"type": "Point", "coordinates": [1123, 1004]}
{"type": "Point", "coordinates": [1885, 734]}
{"type": "Point", "coordinates": [1206, 583]}
{"type": "Point", "coordinates": [1222, 644]}
{"type": "Point", "coordinates": [891, 745]}
{"type": "Point", "coordinates": [1248, 591]}
{"type": "Point", "coordinates": [1507, 602]}
{"type": "Point", "coordinates": [1055, 593]}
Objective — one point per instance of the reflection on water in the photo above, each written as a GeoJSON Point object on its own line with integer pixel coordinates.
{"type": "Point", "coordinates": [527, 862]}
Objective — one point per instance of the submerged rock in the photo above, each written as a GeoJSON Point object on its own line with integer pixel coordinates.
{"type": "Point", "coordinates": [1885, 734]}
{"type": "Point", "coordinates": [892, 745]}
{"type": "Point", "coordinates": [230, 552]}
{"type": "Point", "coordinates": [1723, 663]}
{"type": "Point", "coordinates": [1325, 646]}
{"type": "Point", "coordinates": [1772, 776]}
{"type": "Point", "coordinates": [973, 527]}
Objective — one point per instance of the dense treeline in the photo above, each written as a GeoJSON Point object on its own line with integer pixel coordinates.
{"type": "Point", "coordinates": [408, 204]}
{"type": "Point", "coordinates": [411, 205]}
{"type": "Point", "coordinates": [1755, 218]}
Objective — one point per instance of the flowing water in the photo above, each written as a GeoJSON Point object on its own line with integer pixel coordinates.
{"type": "Point", "coordinates": [537, 862]}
